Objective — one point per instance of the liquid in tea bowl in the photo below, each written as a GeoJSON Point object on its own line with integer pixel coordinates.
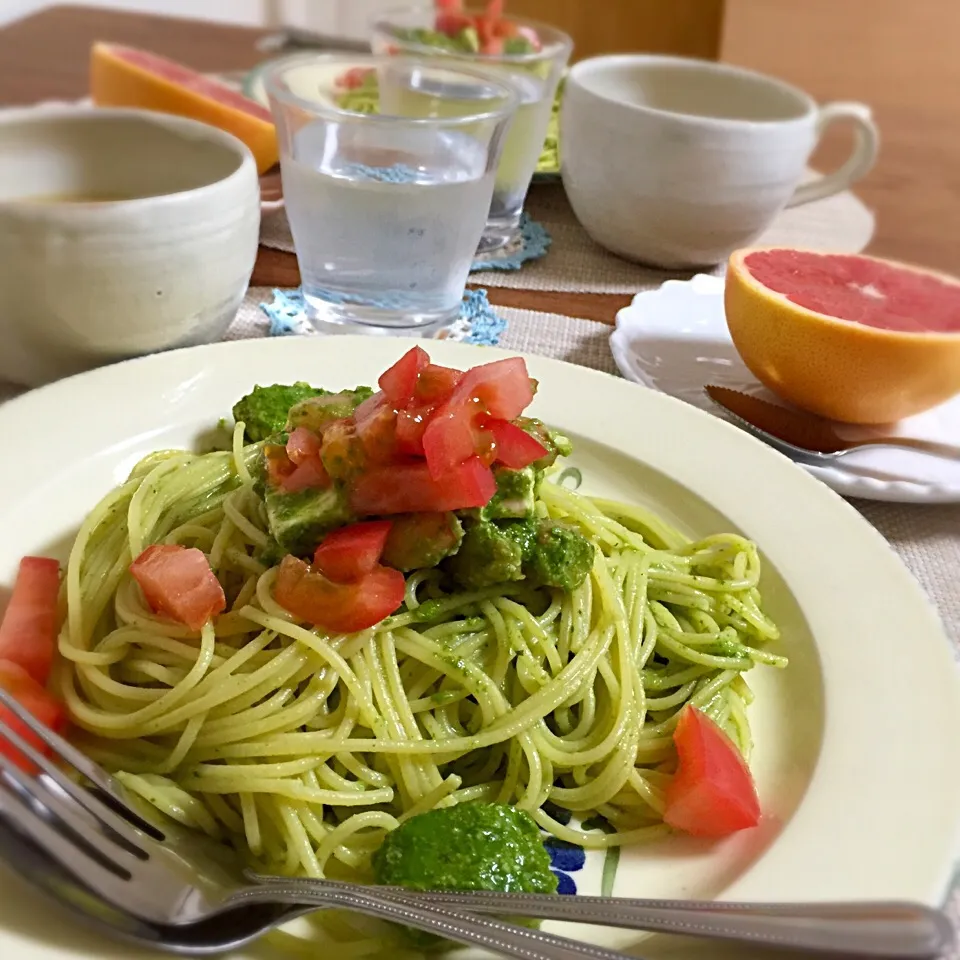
{"type": "Point", "coordinates": [122, 232]}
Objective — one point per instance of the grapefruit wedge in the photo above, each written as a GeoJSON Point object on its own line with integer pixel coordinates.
{"type": "Point", "coordinates": [852, 338]}
{"type": "Point", "coordinates": [127, 77]}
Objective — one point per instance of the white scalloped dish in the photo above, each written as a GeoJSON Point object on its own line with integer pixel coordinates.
{"type": "Point", "coordinates": [675, 340]}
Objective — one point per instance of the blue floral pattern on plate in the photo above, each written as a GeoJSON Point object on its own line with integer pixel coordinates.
{"type": "Point", "coordinates": [567, 857]}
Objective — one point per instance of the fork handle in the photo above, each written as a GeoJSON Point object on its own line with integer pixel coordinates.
{"type": "Point", "coordinates": [507, 939]}
{"type": "Point", "coordinates": [892, 930]}
{"type": "Point", "coordinates": [906, 931]}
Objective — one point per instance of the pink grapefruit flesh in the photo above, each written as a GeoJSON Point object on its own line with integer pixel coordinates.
{"type": "Point", "coordinates": [851, 338]}
{"type": "Point", "coordinates": [873, 292]}
{"type": "Point", "coordinates": [126, 77]}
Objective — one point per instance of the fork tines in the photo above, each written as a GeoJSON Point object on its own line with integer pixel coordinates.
{"type": "Point", "coordinates": [59, 814]}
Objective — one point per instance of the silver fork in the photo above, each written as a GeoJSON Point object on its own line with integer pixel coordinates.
{"type": "Point", "coordinates": [179, 891]}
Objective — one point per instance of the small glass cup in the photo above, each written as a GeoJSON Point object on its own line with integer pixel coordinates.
{"type": "Point", "coordinates": [535, 76]}
{"type": "Point", "coordinates": [386, 209]}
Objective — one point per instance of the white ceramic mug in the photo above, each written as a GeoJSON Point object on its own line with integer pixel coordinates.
{"type": "Point", "coordinates": [122, 232]}
{"type": "Point", "coordinates": [677, 162]}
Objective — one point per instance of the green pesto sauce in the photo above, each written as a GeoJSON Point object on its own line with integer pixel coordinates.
{"type": "Point", "coordinates": [487, 555]}
{"type": "Point", "coordinates": [560, 556]}
{"type": "Point", "coordinates": [429, 610]}
{"type": "Point", "coordinates": [471, 846]}
{"type": "Point", "coordinates": [420, 540]}
{"type": "Point", "coordinates": [546, 553]}
{"type": "Point", "coordinates": [515, 497]}
{"type": "Point", "coordinates": [264, 409]}
{"type": "Point", "coordinates": [466, 40]}
{"type": "Point", "coordinates": [314, 413]}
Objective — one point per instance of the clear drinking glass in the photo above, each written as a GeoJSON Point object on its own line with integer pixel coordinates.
{"type": "Point", "coordinates": [534, 75]}
{"type": "Point", "coordinates": [386, 209]}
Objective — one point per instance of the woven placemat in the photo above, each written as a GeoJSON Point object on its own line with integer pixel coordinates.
{"type": "Point", "coordinates": [927, 538]}
{"type": "Point", "coordinates": [575, 263]}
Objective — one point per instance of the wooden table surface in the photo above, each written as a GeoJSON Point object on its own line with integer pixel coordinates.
{"type": "Point", "coordinates": [915, 190]}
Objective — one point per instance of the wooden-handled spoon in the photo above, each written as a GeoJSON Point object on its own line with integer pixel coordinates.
{"type": "Point", "coordinates": [808, 438]}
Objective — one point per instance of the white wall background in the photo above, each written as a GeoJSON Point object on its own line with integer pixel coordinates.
{"type": "Point", "coordinates": [346, 17]}
{"type": "Point", "coordinates": [251, 12]}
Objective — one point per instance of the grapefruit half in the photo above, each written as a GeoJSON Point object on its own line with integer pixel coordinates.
{"type": "Point", "coordinates": [127, 77]}
{"type": "Point", "coordinates": [853, 338]}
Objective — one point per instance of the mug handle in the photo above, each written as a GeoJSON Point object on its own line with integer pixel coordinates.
{"type": "Point", "coordinates": [860, 161]}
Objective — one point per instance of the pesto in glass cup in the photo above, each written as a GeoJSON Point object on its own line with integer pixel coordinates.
{"type": "Point", "coordinates": [530, 55]}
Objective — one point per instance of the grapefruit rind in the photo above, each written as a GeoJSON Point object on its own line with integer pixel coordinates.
{"type": "Point", "coordinates": [117, 81]}
{"type": "Point", "coordinates": [835, 368]}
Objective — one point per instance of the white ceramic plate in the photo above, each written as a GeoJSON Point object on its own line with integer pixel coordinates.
{"type": "Point", "coordinates": [855, 741]}
{"type": "Point", "coordinates": [675, 339]}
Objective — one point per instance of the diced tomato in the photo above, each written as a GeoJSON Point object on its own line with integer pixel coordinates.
{"type": "Point", "coordinates": [451, 18]}
{"type": "Point", "coordinates": [303, 444]}
{"type": "Point", "coordinates": [452, 23]}
{"type": "Point", "coordinates": [503, 387]}
{"type": "Point", "coordinates": [409, 488]}
{"type": "Point", "coordinates": [309, 475]}
{"type": "Point", "coordinates": [400, 381]}
{"type": "Point", "coordinates": [452, 435]}
{"type": "Point", "coordinates": [342, 453]}
{"type": "Point", "coordinates": [338, 607]}
{"type": "Point", "coordinates": [349, 553]}
{"type": "Point", "coordinates": [28, 633]}
{"type": "Point", "coordinates": [378, 434]}
{"type": "Point", "coordinates": [411, 424]}
{"type": "Point", "coordinates": [515, 448]}
{"type": "Point", "coordinates": [178, 583]}
{"type": "Point", "coordinates": [279, 465]}
{"type": "Point", "coordinates": [435, 383]}
{"type": "Point", "coordinates": [529, 34]}
{"type": "Point", "coordinates": [297, 466]}
{"type": "Point", "coordinates": [485, 34]}
{"type": "Point", "coordinates": [456, 435]}
{"type": "Point", "coordinates": [712, 793]}
{"type": "Point", "coordinates": [30, 694]}
{"type": "Point", "coordinates": [375, 424]}
{"type": "Point", "coordinates": [370, 407]}
{"type": "Point", "coordinates": [353, 78]}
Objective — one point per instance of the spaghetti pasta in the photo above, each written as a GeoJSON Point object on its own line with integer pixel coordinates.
{"type": "Point", "coordinates": [302, 749]}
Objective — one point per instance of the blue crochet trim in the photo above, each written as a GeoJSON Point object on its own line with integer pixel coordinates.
{"type": "Point", "coordinates": [486, 327]}
{"type": "Point", "coordinates": [286, 313]}
{"type": "Point", "coordinates": [533, 244]}
{"type": "Point", "coordinates": [477, 322]}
